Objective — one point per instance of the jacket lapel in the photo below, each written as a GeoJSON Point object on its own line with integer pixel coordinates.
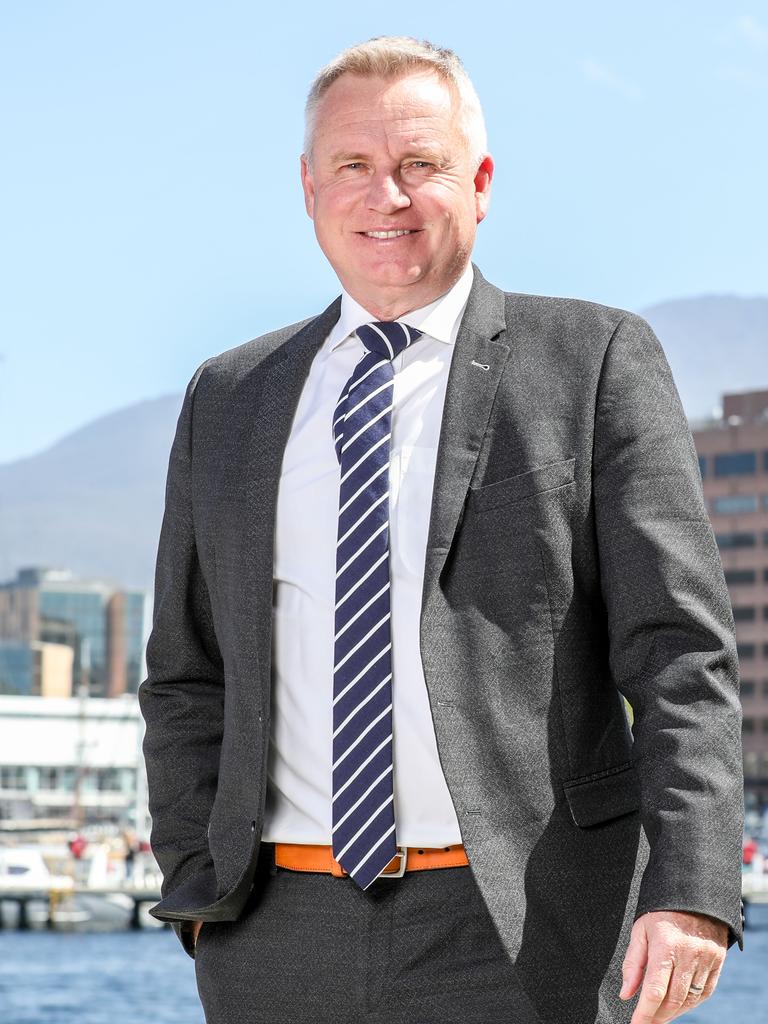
{"type": "Point", "coordinates": [469, 395]}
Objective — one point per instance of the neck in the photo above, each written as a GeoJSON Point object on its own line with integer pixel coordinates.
{"type": "Point", "coordinates": [389, 305]}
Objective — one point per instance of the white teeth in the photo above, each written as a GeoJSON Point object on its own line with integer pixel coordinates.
{"type": "Point", "coordinates": [386, 234]}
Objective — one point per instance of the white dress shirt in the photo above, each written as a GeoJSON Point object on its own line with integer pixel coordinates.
{"type": "Point", "coordinates": [299, 783]}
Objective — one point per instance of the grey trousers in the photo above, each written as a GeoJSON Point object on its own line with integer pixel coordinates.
{"type": "Point", "coordinates": [312, 947]}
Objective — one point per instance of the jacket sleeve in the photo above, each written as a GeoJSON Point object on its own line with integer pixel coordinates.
{"type": "Point", "coordinates": [182, 698]}
{"type": "Point", "coordinates": [671, 633]}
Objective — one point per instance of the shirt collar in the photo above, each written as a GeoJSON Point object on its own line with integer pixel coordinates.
{"type": "Point", "coordinates": [439, 320]}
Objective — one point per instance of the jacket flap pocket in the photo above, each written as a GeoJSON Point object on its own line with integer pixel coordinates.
{"type": "Point", "coordinates": [608, 795]}
{"type": "Point", "coordinates": [521, 485]}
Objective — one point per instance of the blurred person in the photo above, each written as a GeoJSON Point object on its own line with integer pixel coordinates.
{"type": "Point", "coordinates": [415, 551]}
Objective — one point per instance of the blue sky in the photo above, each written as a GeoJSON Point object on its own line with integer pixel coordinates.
{"type": "Point", "coordinates": [152, 209]}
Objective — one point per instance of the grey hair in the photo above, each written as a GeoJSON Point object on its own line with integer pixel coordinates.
{"type": "Point", "coordinates": [391, 57]}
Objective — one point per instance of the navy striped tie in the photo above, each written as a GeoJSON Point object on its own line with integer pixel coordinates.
{"type": "Point", "coordinates": [363, 806]}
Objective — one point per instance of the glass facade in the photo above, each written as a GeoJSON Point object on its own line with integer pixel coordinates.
{"type": "Point", "coordinates": [735, 504]}
{"type": "Point", "coordinates": [78, 618]}
{"type": "Point", "coordinates": [740, 576]}
{"type": "Point", "coordinates": [732, 463]}
{"type": "Point", "coordinates": [133, 625]}
{"type": "Point", "coordinates": [736, 540]}
{"type": "Point", "coordinates": [18, 669]}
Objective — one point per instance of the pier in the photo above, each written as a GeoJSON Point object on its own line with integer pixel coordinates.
{"type": "Point", "coordinates": [57, 896]}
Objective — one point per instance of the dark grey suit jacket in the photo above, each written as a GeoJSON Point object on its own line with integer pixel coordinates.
{"type": "Point", "coordinates": [570, 560]}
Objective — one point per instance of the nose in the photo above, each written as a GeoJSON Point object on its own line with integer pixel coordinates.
{"type": "Point", "coordinates": [385, 194]}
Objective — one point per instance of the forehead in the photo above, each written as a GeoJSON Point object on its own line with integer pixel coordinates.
{"type": "Point", "coordinates": [359, 105]}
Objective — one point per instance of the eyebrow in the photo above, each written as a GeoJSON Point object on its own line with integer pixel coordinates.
{"type": "Point", "coordinates": [415, 149]}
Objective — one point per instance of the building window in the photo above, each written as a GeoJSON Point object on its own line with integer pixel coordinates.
{"type": "Point", "coordinates": [13, 776]}
{"type": "Point", "coordinates": [765, 725]}
{"type": "Point", "coordinates": [47, 778]}
{"type": "Point", "coordinates": [765, 688]}
{"type": "Point", "coordinates": [733, 463]}
{"type": "Point", "coordinates": [746, 650]}
{"type": "Point", "coordinates": [747, 688]}
{"type": "Point", "coordinates": [736, 577]}
{"type": "Point", "coordinates": [703, 465]}
{"type": "Point", "coordinates": [744, 613]}
{"type": "Point", "coordinates": [735, 504]}
{"type": "Point", "coordinates": [736, 540]}
{"type": "Point", "coordinates": [748, 725]}
{"type": "Point", "coordinates": [109, 779]}
{"type": "Point", "coordinates": [765, 650]}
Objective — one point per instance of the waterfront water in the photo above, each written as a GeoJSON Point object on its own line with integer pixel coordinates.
{"type": "Point", "coordinates": [147, 978]}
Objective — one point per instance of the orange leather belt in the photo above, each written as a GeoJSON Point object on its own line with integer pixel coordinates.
{"type": "Point", "coordinates": [305, 857]}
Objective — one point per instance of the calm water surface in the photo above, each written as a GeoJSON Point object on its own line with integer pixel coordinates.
{"type": "Point", "coordinates": [146, 978]}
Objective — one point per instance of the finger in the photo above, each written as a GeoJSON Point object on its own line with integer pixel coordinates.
{"type": "Point", "coordinates": [654, 991]}
{"type": "Point", "coordinates": [711, 982]}
{"type": "Point", "coordinates": [634, 963]}
{"type": "Point", "coordinates": [680, 996]}
{"type": "Point", "coordinates": [689, 987]}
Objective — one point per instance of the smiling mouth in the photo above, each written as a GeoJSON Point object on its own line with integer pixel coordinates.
{"type": "Point", "coordinates": [398, 233]}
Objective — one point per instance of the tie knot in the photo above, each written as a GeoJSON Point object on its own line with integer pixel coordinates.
{"type": "Point", "coordinates": [387, 338]}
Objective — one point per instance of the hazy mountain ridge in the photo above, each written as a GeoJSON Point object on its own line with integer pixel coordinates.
{"type": "Point", "coordinates": [93, 502]}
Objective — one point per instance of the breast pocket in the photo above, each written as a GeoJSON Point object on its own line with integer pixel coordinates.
{"type": "Point", "coordinates": [522, 485]}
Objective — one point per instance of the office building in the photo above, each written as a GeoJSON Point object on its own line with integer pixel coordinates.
{"type": "Point", "coordinates": [733, 458]}
{"type": "Point", "coordinates": [44, 611]}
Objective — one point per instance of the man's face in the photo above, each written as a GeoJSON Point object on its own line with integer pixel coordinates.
{"type": "Point", "coordinates": [389, 156]}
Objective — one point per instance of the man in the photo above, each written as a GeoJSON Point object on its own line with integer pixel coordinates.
{"type": "Point", "coordinates": [414, 552]}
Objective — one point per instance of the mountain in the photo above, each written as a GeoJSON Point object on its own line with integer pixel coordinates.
{"type": "Point", "coordinates": [93, 502]}
{"type": "Point", "coordinates": [714, 344]}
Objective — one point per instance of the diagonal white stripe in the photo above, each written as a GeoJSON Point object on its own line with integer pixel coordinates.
{"type": "Point", "coordinates": [353, 383]}
{"type": "Point", "coordinates": [368, 397]}
{"type": "Point", "coordinates": [360, 490]}
{"type": "Point", "coordinates": [360, 799]}
{"type": "Point", "coordinates": [362, 459]}
{"type": "Point", "coordinates": [362, 548]}
{"type": "Point", "coordinates": [360, 675]}
{"type": "Point", "coordinates": [356, 383]}
{"type": "Point", "coordinates": [360, 643]}
{"type": "Point", "coordinates": [367, 761]}
{"type": "Point", "coordinates": [367, 426]}
{"type": "Point", "coordinates": [360, 611]}
{"type": "Point", "coordinates": [362, 828]}
{"type": "Point", "coordinates": [386, 339]}
{"type": "Point", "coordinates": [362, 704]}
{"type": "Point", "coordinates": [373, 849]}
{"type": "Point", "coordinates": [364, 733]}
{"type": "Point", "coordinates": [362, 517]}
{"type": "Point", "coordinates": [362, 579]}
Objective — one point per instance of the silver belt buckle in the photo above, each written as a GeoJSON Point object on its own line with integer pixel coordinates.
{"type": "Point", "coordinates": [402, 853]}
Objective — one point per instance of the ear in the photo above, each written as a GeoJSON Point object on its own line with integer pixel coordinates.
{"type": "Point", "coordinates": [483, 178]}
{"type": "Point", "coordinates": [307, 183]}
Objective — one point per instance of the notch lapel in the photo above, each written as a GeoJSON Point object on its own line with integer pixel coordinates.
{"type": "Point", "coordinates": [470, 391]}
